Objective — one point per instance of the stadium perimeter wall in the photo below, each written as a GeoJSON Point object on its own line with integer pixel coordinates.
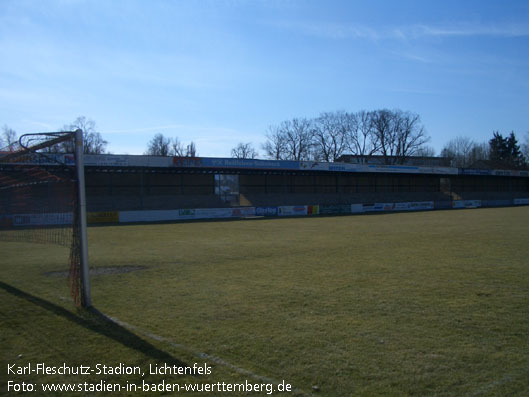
{"type": "Point", "coordinates": [21, 220]}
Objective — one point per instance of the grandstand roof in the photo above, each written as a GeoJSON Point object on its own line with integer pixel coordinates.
{"type": "Point", "coordinates": [213, 164]}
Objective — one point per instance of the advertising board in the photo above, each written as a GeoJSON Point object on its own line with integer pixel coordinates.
{"type": "Point", "coordinates": [383, 207]}
{"type": "Point", "coordinates": [357, 208]}
{"type": "Point", "coordinates": [329, 209]}
{"type": "Point", "coordinates": [102, 217]}
{"type": "Point", "coordinates": [402, 206]}
{"type": "Point", "coordinates": [421, 205]}
{"type": "Point", "coordinates": [242, 212]}
{"type": "Point", "coordinates": [213, 213]}
{"type": "Point", "coordinates": [466, 204]}
{"type": "Point", "coordinates": [149, 216]}
{"type": "Point", "coordinates": [292, 210]}
{"type": "Point", "coordinates": [6, 221]}
{"type": "Point", "coordinates": [58, 218]}
{"type": "Point", "coordinates": [266, 211]}
{"type": "Point", "coordinates": [313, 209]}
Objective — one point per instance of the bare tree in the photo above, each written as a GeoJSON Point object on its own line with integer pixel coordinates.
{"type": "Point", "coordinates": [92, 140]}
{"type": "Point", "coordinates": [177, 148]}
{"type": "Point", "coordinates": [330, 135]}
{"type": "Point", "coordinates": [191, 150]}
{"type": "Point", "coordinates": [298, 135]}
{"type": "Point", "coordinates": [244, 151]}
{"type": "Point", "coordinates": [459, 150]}
{"type": "Point", "coordinates": [411, 135]}
{"type": "Point", "coordinates": [8, 139]}
{"type": "Point", "coordinates": [275, 145]}
{"type": "Point", "coordinates": [525, 147]}
{"type": "Point", "coordinates": [361, 137]}
{"type": "Point", "coordinates": [464, 152]}
{"type": "Point", "coordinates": [425, 151]}
{"type": "Point", "coordinates": [159, 146]}
{"type": "Point", "coordinates": [399, 134]}
{"type": "Point", "coordinates": [480, 151]}
{"type": "Point", "coordinates": [385, 131]}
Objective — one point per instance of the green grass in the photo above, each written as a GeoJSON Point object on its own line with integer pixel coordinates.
{"type": "Point", "coordinates": [430, 303]}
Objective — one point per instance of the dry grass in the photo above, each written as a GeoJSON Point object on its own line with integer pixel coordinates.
{"type": "Point", "coordinates": [412, 303]}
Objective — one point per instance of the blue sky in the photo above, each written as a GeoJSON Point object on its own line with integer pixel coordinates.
{"type": "Point", "coordinates": [220, 72]}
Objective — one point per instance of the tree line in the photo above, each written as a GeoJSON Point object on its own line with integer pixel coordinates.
{"type": "Point", "coordinates": [394, 135]}
{"type": "Point", "coordinates": [160, 145]}
{"type": "Point", "coordinates": [499, 152]}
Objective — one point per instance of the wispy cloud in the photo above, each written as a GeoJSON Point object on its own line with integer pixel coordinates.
{"type": "Point", "coordinates": [338, 31]}
{"type": "Point", "coordinates": [330, 30]}
{"type": "Point", "coordinates": [417, 31]}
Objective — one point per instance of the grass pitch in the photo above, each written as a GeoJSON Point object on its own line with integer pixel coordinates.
{"type": "Point", "coordinates": [391, 304]}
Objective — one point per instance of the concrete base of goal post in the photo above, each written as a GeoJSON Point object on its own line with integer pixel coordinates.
{"type": "Point", "coordinates": [86, 300]}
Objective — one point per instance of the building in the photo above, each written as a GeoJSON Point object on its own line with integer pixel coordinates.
{"type": "Point", "coordinates": [411, 160]}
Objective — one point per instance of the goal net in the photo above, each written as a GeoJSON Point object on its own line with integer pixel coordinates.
{"type": "Point", "coordinates": [42, 200]}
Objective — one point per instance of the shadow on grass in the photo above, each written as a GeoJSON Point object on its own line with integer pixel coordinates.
{"type": "Point", "coordinates": [96, 321]}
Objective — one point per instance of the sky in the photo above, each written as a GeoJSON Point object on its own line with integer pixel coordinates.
{"type": "Point", "coordinates": [220, 72]}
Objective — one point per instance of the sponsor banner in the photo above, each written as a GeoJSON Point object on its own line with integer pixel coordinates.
{"type": "Point", "coordinates": [402, 206]}
{"type": "Point", "coordinates": [186, 213]}
{"type": "Point", "coordinates": [59, 218]}
{"type": "Point", "coordinates": [313, 165]}
{"type": "Point", "coordinates": [496, 203]}
{"type": "Point", "coordinates": [421, 205]}
{"type": "Point", "coordinates": [510, 173]}
{"type": "Point", "coordinates": [210, 162]}
{"type": "Point", "coordinates": [213, 213]}
{"type": "Point", "coordinates": [266, 211]}
{"type": "Point", "coordinates": [357, 208]}
{"type": "Point", "coordinates": [393, 168]}
{"type": "Point", "coordinates": [378, 207]}
{"type": "Point", "coordinates": [438, 170]}
{"type": "Point", "coordinates": [6, 221]}
{"type": "Point", "coordinates": [466, 204]}
{"type": "Point", "coordinates": [249, 163]}
{"type": "Point", "coordinates": [48, 159]}
{"type": "Point", "coordinates": [112, 160]}
{"type": "Point", "coordinates": [344, 167]}
{"type": "Point", "coordinates": [109, 160]}
{"type": "Point", "coordinates": [313, 209]}
{"type": "Point", "coordinates": [383, 207]}
{"type": "Point", "coordinates": [149, 216]}
{"type": "Point", "coordinates": [474, 171]}
{"type": "Point", "coordinates": [521, 201]}
{"type": "Point", "coordinates": [292, 210]}
{"type": "Point", "coordinates": [335, 209]}
{"type": "Point", "coordinates": [102, 217]}
{"type": "Point", "coordinates": [242, 212]}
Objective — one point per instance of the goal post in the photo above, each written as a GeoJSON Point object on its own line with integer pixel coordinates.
{"type": "Point", "coordinates": [43, 199]}
{"type": "Point", "coordinates": [86, 300]}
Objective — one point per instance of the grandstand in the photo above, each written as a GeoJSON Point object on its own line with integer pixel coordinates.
{"type": "Point", "coordinates": [130, 183]}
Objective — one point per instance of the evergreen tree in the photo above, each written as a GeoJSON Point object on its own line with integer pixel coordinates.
{"type": "Point", "coordinates": [505, 152]}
